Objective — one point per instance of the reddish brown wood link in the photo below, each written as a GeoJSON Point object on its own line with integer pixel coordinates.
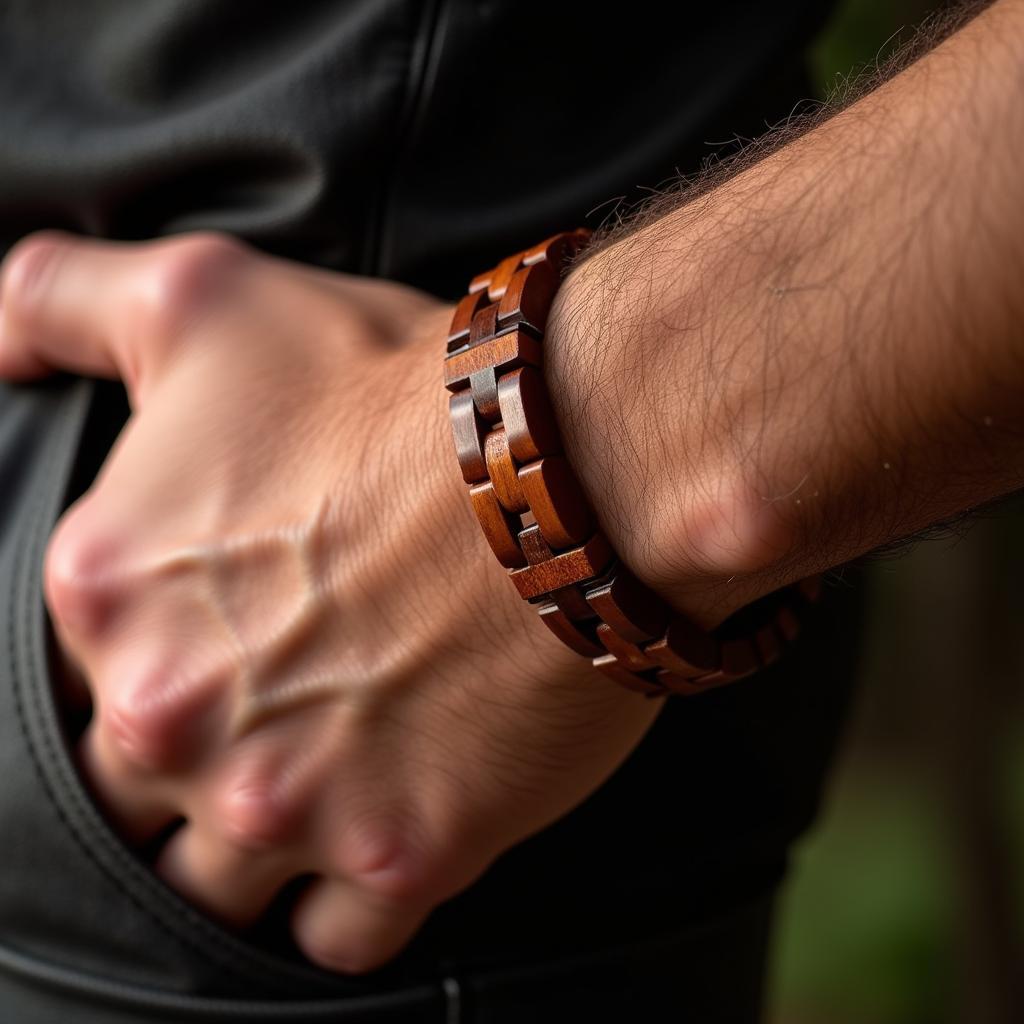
{"type": "Point", "coordinates": [535, 515]}
{"type": "Point", "coordinates": [528, 296]}
{"type": "Point", "coordinates": [469, 305]}
{"type": "Point", "coordinates": [498, 525]}
{"type": "Point", "coordinates": [504, 472]}
{"type": "Point", "coordinates": [527, 414]}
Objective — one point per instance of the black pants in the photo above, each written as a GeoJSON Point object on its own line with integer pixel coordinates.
{"type": "Point", "coordinates": [650, 902]}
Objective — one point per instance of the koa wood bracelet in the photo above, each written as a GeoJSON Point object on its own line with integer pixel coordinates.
{"type": "Point", "coordinates": [537, 519]}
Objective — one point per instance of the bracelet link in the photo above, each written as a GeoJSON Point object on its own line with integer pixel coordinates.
{"type": "Point", "coordinates": [535, 515]}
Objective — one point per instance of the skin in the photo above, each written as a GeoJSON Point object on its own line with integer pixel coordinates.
{"type": "Point", "coordinates": [821, 355]}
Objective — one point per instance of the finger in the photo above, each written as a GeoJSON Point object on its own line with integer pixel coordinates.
{"type": "Point", "coordinates": [230, 880]}
{"type": "Point", "coordinates": [47, 281]}
{"type": "Point", "coordinates": [138, 809]}
{"type": "Point", "coordinates": [105, 308]}
{"type": "Point", "coordinates": [342, 926]}
{"type": "Point", "coordinates": [152, 721]}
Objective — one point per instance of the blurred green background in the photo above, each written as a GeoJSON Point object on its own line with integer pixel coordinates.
{"type": "Point", "coordinates": [906, 903]}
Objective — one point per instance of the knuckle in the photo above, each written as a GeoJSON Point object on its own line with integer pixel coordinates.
{"type": "Point", "coordinates": [187, 277]}
{"type": "Point", "coordinates": [142, 720]}
{"type": "Point", "coordinates": [253, 815]}
{"type": "Point", "coordinates": [28, 271]}
{"type": "Point", "coordinates": [393, 864]}
{"type": "Point", "coordinates": [78, 577]}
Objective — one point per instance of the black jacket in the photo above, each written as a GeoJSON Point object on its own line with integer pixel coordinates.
{"type": "Point", "coordinates": [418, 140]}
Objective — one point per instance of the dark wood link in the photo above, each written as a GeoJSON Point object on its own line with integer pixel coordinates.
{"type": "Point", "coordinates": [485, 323]}
{"type": "Point", "coordinates": [628, 654]}
{"type": "Point", "coordinates": [678, 684]}
{"type": "Point", "coordinates": [469, 430]}
{"type": "Point", "coordinates": [685, 650]}
{"type": "Point", "coordinates": [573, 602]}
{"type": "Point", "coordinates": [715, 679]}
{"type": "Point", "coordinates": [538, 521]}
{"type": "Point", "coordinates": [630, 607]}
{"type": "Point", "coordinates": [483, 386]}
{"type": "Point", "coordinates": [572, 634]}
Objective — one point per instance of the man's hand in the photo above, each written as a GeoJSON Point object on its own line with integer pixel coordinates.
{"type": "Point", "coordinates": [295, 636]}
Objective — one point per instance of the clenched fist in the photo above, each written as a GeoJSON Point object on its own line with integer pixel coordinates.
{"type": "Point", "coordinates": [294, 636]}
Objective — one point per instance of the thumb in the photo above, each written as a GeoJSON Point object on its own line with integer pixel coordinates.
{"type": "Point", "coordinates": [101, 308]}
{"type": "Point", "coordinates": [52, 288]}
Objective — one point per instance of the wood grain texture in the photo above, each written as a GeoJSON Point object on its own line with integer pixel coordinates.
{"type": "Point", "coordinates": [628, 654]}
{"type": "Point", "coordinates": [504, 472]}
{"type": "Point", "coordinates": [484, 325]}
{"type": "Point", "coordinates": [556, 501]}
{"type": "Point", "coordinates": [684, 649]}
{"type": "Point", "coordinates": [502, 275]}
{"type": "Point", "coordinates": [570, 633]}
{"type": "Point", "coordinates": [573, 603]}
{"type": "Point", "coordinates": [565, 569]}
{"type": "Point", "coordinates": [499, 355]}
{"type": "Point", "coordinates": [536, 517]}
{"type": "Point", "coordinates": [483, 386]}
{"type": "Point", "coordinates": [462, 319]}
{"type": "Point", "coordinates": [527, 414]}
{"type": "Point", "coordinates": [468, 430]}
{"type": "Point", "coordinates": [535, 548]}
{"type": "Point", "coordinates": [630, 607]}
{"type": "Point", "coordinates": [528, 296]}
{"type": "Point", "coordinates": [498, 526]}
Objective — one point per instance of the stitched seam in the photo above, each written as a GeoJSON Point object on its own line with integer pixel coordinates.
{"type": "Point", "coordinates": [33, 970]}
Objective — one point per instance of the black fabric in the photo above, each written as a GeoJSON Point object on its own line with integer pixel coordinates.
{"type": "Point", "coordinates": [410, 139]}
{"type": "Point", "coordinates": [416, 140]}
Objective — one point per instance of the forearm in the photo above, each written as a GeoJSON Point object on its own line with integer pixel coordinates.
{"type": "Point", "coordinates": [822, 355]}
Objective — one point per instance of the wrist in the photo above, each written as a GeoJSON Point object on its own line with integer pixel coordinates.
{"type": "Point", "coordinates": [657, 441]}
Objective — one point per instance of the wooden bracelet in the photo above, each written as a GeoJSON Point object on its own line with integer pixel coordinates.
{"type": "Point", "coordinates": [536, 517]}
